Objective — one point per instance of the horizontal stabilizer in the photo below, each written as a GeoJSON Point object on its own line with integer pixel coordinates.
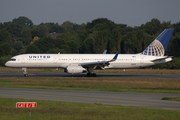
{"type": "Point", "coordinates": [161, 58]}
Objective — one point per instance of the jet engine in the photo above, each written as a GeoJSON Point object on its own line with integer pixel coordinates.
{"type": "Point", "coordinates": [74, 69]}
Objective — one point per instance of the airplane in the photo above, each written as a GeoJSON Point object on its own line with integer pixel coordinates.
{"type": "Point", "coordinates": [80, 63]}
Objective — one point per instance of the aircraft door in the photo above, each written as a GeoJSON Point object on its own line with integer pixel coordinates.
{"type": "Point", "coordinates": [22, 60]}
{"type": "Point", "coordinates": [55, 60]}
{"type": "Point", "coordinates": [141, 59]}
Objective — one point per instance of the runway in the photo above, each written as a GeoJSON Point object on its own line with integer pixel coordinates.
{"type": "Point", "coordinates": [150, 100]}
{"type": "Point", "coordinates": [59, 74]}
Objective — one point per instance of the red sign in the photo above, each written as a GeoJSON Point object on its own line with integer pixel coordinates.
{"type": "Point", "coordinates": [26, 104]}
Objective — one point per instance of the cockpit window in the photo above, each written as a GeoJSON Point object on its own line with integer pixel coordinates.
{"type": "Point", "coordinates": [12, 59]}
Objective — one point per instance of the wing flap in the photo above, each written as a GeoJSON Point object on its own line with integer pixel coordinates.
{"type": "Point", "coordinates": [91, 64]}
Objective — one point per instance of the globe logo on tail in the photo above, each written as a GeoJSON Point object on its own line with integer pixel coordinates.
{"type": "Point", "coordinates": [154, 49]}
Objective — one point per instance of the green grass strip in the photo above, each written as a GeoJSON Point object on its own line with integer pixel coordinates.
{"type": "Point", "coordinates": [145, 85]}
{"type": "Point", "coordinates": [80, 111]}
{"type": "Point", "coordinates": [171, 99]}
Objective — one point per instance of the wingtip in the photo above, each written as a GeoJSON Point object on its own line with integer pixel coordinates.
{"type": "Point", "coordinates": [115, 57]}
{"type": "Point", "coordinates": [105, 52]}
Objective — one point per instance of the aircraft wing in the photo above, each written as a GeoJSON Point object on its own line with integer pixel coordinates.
{"type": "Point", "coordinates": [99, 63]}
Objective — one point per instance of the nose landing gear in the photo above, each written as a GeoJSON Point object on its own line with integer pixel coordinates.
{"type": "Point", "coordinates": [25, 72]}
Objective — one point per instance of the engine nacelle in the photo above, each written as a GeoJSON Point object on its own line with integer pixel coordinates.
{"type": "Point", "coordinates": [74, 69]}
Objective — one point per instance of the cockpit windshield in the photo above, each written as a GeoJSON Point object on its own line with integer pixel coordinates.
{"type": "Point", "coordinates": [12, 59]}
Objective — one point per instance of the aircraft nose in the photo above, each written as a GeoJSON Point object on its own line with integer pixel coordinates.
{"type": "Point", "coordinates": [7, 64]}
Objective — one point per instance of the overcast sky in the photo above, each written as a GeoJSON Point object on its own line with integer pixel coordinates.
{"type": "Point", "coordinates": [130, 12]}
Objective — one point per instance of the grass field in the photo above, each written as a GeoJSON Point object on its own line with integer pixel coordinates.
{"type": "Point", "coordinates": [83, 111]}
{"type": "Point", "coordinates": [171, 99]}
{"type": "Point", "coordinates": [123, 84]}
{"type": "Point", "coordinates": [80, 111]}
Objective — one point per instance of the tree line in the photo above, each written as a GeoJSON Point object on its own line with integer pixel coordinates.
{"type": "Point", "coordinates": [21, 36]}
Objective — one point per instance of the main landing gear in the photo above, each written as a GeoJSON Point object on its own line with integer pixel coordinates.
{"type": "Point", "coordinates": [25, 72]}
{"type": "Point", "coordinates": [90, 72]}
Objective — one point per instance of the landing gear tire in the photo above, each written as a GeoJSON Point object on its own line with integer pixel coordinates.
{"type": "Point", "coordinates": [91, 75]}
{"type": "Point", "coordinates": [25, 72]}
{"type": "Point", "coordinates": [25, 75]}
{"type": "Point", "coordinates": [94, 75]}
{"type": "Point", "coordinates": [88, 74]}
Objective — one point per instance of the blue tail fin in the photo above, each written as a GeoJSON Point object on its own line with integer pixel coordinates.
{"type": "Point", "coordinates": [159, 45]}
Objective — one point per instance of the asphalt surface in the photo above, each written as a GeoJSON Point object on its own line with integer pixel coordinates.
{"type": "Point", "coordinates": [59, 74]}
{"type": "Point", "coordinates": [150, 100]}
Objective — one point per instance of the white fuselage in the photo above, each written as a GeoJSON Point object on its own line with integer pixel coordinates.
{"type": "Point", "coordinates": [63, 60]}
